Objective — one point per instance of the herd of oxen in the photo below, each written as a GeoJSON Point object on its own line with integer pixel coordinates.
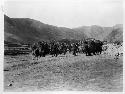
{"type": "Point", "coordinates": [55, 48]}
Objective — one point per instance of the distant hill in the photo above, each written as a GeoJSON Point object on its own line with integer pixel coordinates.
{"type": "Point", "coordinates": [25, 30]}
{"type": "Point", "coordinates": [116, 34]}
{"type": "Point", "coordinates": [95, 31]}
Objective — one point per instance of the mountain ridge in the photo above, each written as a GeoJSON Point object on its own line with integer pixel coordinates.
{"type": "Point", "coordinates": [26, 30]}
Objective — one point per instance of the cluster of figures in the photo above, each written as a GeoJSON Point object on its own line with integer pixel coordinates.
{"type": "Point", "coordinates": [54, 48]}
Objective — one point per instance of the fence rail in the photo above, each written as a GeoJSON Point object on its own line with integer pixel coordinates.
{"type": "Point", "coordinates": [16, 50]}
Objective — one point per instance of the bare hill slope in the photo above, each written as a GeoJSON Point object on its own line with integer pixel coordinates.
{"type": "Point", "coordinates": [95, 31]}
{"type": "Point", "coordinates": [27, 30]}
{"type": "Point", "coordinates": [116, 34]}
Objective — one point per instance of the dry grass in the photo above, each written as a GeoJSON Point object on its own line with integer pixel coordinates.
{"type": "Point", "coordinates": [91, 73]}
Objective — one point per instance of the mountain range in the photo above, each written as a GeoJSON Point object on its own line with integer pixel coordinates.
{"type": "Point", "coordinates": [26, 30]}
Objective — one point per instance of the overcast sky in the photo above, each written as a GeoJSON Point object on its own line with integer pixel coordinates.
{"type": "Point", "coordinates": [67, 13]}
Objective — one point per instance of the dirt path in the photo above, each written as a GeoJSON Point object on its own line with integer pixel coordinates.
{"type": "Point", "coordinates": [91, 73]}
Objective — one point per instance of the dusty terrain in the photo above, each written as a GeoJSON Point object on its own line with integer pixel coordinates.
{"type": "Point", "coordinates": [85, 73]}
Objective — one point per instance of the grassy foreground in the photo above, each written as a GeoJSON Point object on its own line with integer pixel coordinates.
{"type": "Point", "coordinates": [85, 73]}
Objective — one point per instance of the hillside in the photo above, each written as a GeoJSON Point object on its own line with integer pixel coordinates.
{"type": "Point", "coordinates": [95, 31]}
{"type": "Point", "coordinates": [25, 30]}
{"type": "Point", "coordinates": [116, 34]}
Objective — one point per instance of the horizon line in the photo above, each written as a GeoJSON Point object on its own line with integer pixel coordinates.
{"type": "Point", "coordinates": [63, 26]}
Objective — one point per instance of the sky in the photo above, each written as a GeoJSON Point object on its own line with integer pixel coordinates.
{"type": "Point", "coordinates": [67, 13]}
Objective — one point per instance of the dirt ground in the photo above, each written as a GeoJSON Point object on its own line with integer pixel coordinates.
{"type": "Point", "coordinates": [101, 73]}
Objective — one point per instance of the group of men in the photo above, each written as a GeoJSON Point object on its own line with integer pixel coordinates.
{"type": "Point", "coordinates": [89, 47]}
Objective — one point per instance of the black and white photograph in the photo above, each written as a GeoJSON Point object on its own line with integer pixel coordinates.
{"type": "Point", "coordinates": [63, 45]}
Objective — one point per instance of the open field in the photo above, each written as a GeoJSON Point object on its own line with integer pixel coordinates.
{"type": "Point", "coordinates": [65, 72]}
